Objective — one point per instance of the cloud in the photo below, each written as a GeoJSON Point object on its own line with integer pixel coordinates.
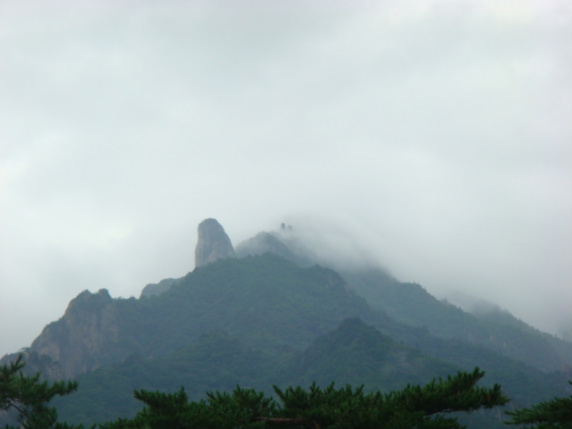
{"type": "Point", "coordinates": [437, 130]}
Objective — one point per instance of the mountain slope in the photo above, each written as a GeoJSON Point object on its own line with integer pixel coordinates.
{"type": "Point", "coordinates": [266, 301]}
{"type": "Point", "coordinates": [214, 361]}
{"type": "Point", "coordinates": [356, 353]}
{"type": "Point", "coordinates": [411, 304]}
{"type": "Point", "coordinates": [353, 352]}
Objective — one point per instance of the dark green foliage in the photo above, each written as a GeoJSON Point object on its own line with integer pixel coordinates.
{"type": "Point", "coordinates": [329, 407]}
{"type": "Point", "coordinates": [219, 411]}
{"type": "Point", "coordinates": [554, 414]}
{"type": "Point", "coordinates": [412, 407]}
{"type": "Point", "coordinates": [29, 397]}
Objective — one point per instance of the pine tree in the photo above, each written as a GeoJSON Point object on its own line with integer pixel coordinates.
{"type": "Point", "coordinates": [29, 397]}
{"type": "Point", "coordinates": [413, 407]}
{"type": "Point", "coordinates": [318, 408]}
{"type": "Point", "coordinates": [554, 414]}
{"type": "Point", "coordinates": [238, 409]}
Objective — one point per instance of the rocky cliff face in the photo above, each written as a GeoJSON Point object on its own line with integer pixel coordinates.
{"type": "Point", "coordinates": [84, 338]}
{"type": "Point", "coordinates": [213, 243]}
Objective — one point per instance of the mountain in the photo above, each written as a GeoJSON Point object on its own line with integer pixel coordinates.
{"type": "Point", "coordinates": [411, 304]}
{"type": "Point", "coordinates": [214, 361]}
{"type": "Point", "coordinates": [357, 353]}
{"type": "Point", "coordinates": [272, 316]}
{"type": "Point", "coordinates": [265, 242]}
{"type": "Point", "coordinates": [353, 352]}
{"type": "Point", "coordinates": [267, 301]}
{"type": "Point", "coordinates": [494, 315]}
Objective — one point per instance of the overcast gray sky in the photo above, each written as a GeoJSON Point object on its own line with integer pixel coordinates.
{"type": "Point", "coordinates": [435, 136]}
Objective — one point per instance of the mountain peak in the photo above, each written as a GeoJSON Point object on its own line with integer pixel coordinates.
{"type": "Point", "coordinates": [213, 243]}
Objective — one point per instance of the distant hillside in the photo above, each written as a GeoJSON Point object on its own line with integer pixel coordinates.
{"type": "Point", "coordinates": [357, 353]}
{"type": "Point", "coordinates": [495, 316]}
{"type": "Point", "coordinates": [411, 304]}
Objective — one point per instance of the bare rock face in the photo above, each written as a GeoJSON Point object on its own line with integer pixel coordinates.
{"type": "Point", "coordinates": [213, 243]}
{"type": "Point", "coordinates": [86, 337]}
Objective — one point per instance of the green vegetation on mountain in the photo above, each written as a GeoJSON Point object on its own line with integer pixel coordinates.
{"type": "Point", "coordinates": [212, 362]}
{"type": "Point", "coordinates": [411, 304]}
{"type": "Point", "coordinates": [354, 353]}
{"type": "Point", "coordinates": [265, 301]}
{"type": "Point", "coordinates": [495, 317]}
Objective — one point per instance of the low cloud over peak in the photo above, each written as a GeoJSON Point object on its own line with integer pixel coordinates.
{"type": "Point", "coordinates": [437, 133]}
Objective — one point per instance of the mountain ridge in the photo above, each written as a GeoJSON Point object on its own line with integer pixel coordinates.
{"type": "Point", "coordinates": [278, 303]}
{"type": "Point", "coordinates": [411, 304]}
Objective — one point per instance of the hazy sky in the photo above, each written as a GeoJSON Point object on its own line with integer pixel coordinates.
{"type": "Point", "coordinates": [437, 135]}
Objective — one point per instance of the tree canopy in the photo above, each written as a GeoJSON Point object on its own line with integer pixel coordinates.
{"type": "Point", "coordinates": [318, 407]}
{"type": "Point", "coordinates": [554, 414]}
{"type": "Point", "coordinates": [29, 397]}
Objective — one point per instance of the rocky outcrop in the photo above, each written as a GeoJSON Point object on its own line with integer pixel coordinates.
{"type": "Point", "coordinates": [213, 243]}
{"type": "Point", "coordinates": [85, 338]}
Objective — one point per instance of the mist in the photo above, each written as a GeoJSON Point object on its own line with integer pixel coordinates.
{"type": "Point", "coordinates": [432, 138]}
{"type": "Point", "coordinates": [349, 245]}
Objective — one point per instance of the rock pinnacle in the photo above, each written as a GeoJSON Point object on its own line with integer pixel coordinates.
{"type": "Point", "coordinates": [213, 243]}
